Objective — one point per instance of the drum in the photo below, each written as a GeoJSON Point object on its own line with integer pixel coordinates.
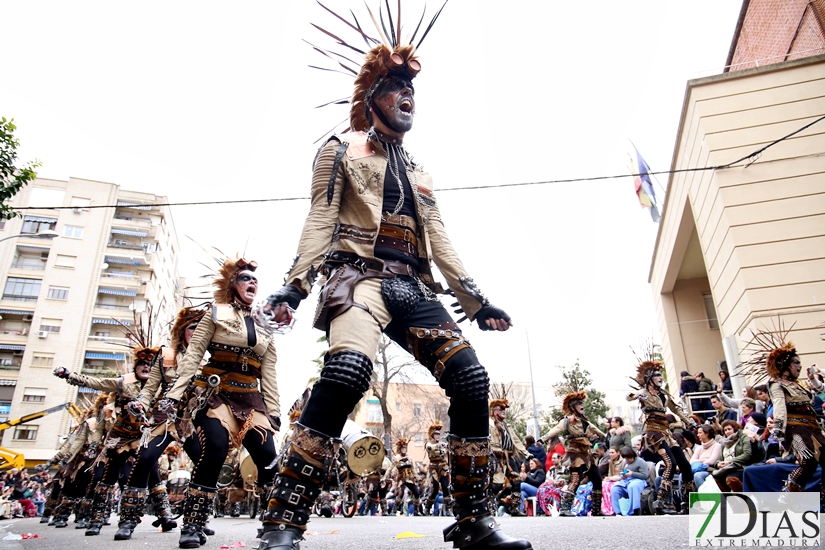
{"type": "Point", "coordinates": [227, 475]}
{"type": "Point", "coordinates": [178, 481]}
{"type": "Point", "coordinates": [365, 452]}
{"type": "Point", "coordinates": [249, 472]}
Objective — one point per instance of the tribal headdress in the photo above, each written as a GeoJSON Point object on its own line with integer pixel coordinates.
{"type": "Point", "coordinates": [139, 335]}
{"type": "Point", "coordinates": [570, 398]}
{"type": "Point", "coordinates": [185, 317]}
{"type": "Point", "coordinates": [224, 282]}
{"type": "Point", "coordinates": [498, 392]}
{"type": "Point", "coordinates": [770, 353]}
{"type": "Point", "coordinates": [436, 426]}
{"type": "Point", "coordinates": [401, 443]}
{"type": "Point", "coordinates": [389, 55]}
{"type": "Point", "coordinates": [648, 363]}
{"type": "Point", "coordinates": [503, 403]}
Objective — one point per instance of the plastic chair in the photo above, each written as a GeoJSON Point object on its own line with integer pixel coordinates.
{"type": "Point", "coordinates": [531, 506]}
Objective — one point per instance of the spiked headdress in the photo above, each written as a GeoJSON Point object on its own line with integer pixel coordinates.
{"type": "Point", "coordinates": [297, 407]}
{"type": "Point", "coordinates": [139, 335]}
{"type": "Point", "coordinates": [570, 398]}
{"type": "Point", "coordinates": [503, 403]}
{"type": "Point", "coordinates": [225, 278]}
{"type": "Point", "coordinates": [770, 353]}
{"type": "Point", "coordinates": [401, 443]}
{"type": "Point", "coordinates": [498, 393]}
{"type": "Point", "coordinates": [186, 316]}
{"type": "Point", "coordinates": [648, 363]}
{"type": "Point", "coordinates": [436, 426]}
{"type": "Point", "coordinates": [386, 56]}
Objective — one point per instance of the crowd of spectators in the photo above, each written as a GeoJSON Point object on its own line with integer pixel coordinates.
{"type": "Point", "coordinates": [22, 495]}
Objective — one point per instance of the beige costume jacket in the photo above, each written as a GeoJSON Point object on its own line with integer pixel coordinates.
{"type": "Point", "coordinates": [225, 325]}
{"type": "Point", "coordinates": [350, 222]}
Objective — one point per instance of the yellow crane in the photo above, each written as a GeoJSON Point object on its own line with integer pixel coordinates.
{"type": "Point", "coordinates": [12, 459]}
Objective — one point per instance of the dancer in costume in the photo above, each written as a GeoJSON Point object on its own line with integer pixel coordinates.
{"type": "Point", "coordinates": [438, 471]}
{"type": "Point", "coordinates": [168, 426]}
{"type": "Point", "coordinates": [377, 487]}
{"type": "Point", "coordinates": [373, 230]}
{"type": "Point", "coordinates": [509, 453]}
{"type": "Point", "coordinates": [235, 397]}
{"type": "Point", "coordinates": [404, 475]}
{"type": "Point", "coordinates": [657, 436]}
{"type": "Point", "coordinates": [795, 420]}
{"type": "Point", "coordinates": [579, 434]}
{"type": "Point", "coordinates": [123, 440]}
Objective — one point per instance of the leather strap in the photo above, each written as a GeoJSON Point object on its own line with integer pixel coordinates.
{"type": "Point", "coordinates": [339, 154]}
{"type": "Point", "coordinates": [398, 233]}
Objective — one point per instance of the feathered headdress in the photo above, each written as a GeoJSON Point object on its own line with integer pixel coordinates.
{"type": "Point", "coordinates": [185, 317]}
{"type": "Point", "coordinates": [401, 443]}
{"type": "Point", "coordinates": [648, 363]}
{"type": "Point", "coordinates": [498, 392]}
{"type": "Point", "coordinates": [570, 398]}
{"type": "Point", "coordinates": [139, 336]}
{"type": "Point", "coordinates": [770, 353]}
{"type": "Point", "coordinates": [225, 278]}
{"type": "Point", "coordinates": [388, 55]}
{"type": "Point", "coordinates": [436, 426]}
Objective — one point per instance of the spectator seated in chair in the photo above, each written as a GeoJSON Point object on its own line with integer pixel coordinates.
{"type": "Point", "coordinates": [634, 479]}
{"type": "Point", "coordinates": [708, 453]}
{"type": "Point", "coordinates": [736, 454]}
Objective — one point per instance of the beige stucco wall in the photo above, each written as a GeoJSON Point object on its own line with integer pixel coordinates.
{"type": "Point", "coordinates": [761, 228]}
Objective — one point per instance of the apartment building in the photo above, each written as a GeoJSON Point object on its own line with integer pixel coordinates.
{"type": "Point", "coordinates": [111, 255]}
{"type": "Point", "coordinates": [740, 247]}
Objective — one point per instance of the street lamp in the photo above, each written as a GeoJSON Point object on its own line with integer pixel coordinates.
{"type": "Point", "coordinates": [47, 234]}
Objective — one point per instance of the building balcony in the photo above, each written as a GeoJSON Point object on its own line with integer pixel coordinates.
{"type": "Point", "coordinates": [109, 339]}
{"type": "Point", "coordinates": [14, 336]}
{"type": "Point", "coordinates": [19, 298]}
{"type": "Point", "coordinates": [132, 221]}
{"type": "Point", "coordinates": [113, 307]}
{"type": "Point", "coordinates": [98, 372]}
{"type": "Point", "coordinates": [10, 364]}
{"type": "Point", "coordinates": [29, 267]}
{"type": "Point", "coordinates": [121, 279]}
{"type": "Point", "coordinates": [125, 245]}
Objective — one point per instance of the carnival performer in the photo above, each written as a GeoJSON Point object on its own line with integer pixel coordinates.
{"type": "Point", "coordinates": [377, 487]}
{"type": "Point", "coordinates": [657, 436]}
{"type": "Point", "coordinates": [580, 433]}
{"type": "Point", "coordinates": [235, 397]}
{"type": "Point", "coordinates": [438, 471]}
{"type": "Point", "coordinates": [794, 418]}
{"type": "Point", "coordinates": [52, 506]}
{"type": "Point", "coordinates": [373, 230]}
{"type": "Point", "coordinates": [76, 475]}
{"type": "Point", "coordinates": [123, 440]}
{"type": "Point", "coordinates": [509, 453]}
{"type": "Point", "coordinates": [168, 427]}
{"type": "Point", "coordinates": [404, 475]}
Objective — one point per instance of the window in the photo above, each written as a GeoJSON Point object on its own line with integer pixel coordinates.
{"type": "Point", "coordinates": [103, 334]}
{"type": "Point", "coordinates": [34, 395]}
{"type": "Point", "coordinates": [25, 290]}
{"type": "Point", "coordinates": [65, 261]}
{"type": "Point", "coordinates": [713, 322]}
{"type": "Point", "coordinates": [398, 405]}
{"type": "Point", "coordinates": [418, 439]}
{"type": "Point", "coordinates": [73, 231]}
{"type": "Point", "coordinates": [38, 224]}
{"type": "Point", "coordinates": [26, 432]}
{"type": "Point", "coordinates": [79, 202]}
{"type": "Point", "coordinates": [417, 409]}
{"type": "Point", "coordinates": [42, 360]}
{"type": "Point", "coordinates": [45, 197]}
{"type": "Point", "coordinates": [374, 412]}
{"type": "Point", "coordinates": [59, 293]}
{"type": "Point", "coordinates": [50, 325]}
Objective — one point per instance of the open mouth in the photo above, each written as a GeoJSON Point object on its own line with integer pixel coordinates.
{"type": "Point", "coordinates": [405, 106]}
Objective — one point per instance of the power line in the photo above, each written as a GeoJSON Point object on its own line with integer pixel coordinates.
{"type": "Point", "coordinates": [752, 157]}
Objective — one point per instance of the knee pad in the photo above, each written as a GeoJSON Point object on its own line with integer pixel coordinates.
{"type": "Point", "coordinates": [465, 382]}
{"type": "Point", "coordinates": [350, 369]}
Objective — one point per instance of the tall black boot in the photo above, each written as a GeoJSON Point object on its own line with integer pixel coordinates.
{"type": "Point", "coordinates": [664, 500]}
{"type": "Point", "coordinates": [51, 505]}
{"type": "Point", "coordinates": [385, 509]}
{"type": "Point", "coordinates": [100, 508]}
{"type": "Point", "coordinates": [475, 528]}
{"type": "Point", "coordinates": [85, 518]}
{"type": "Point", "coordinates": [687, 488]}
{"type": "Point", "coordinates": [160, 505]}
{"type": "Point", "coordinates": [295, 489]}
{"type": "Point", "coordinates": [566, 505]}
{"type": "Point", "coordinates": [132, 506]}
{"type": "Point", "coordinates": [64, 510]}
{"type": "Point", "coordinates": [195, 513]}
{"type": "Point", "coordinates": [596, 509]}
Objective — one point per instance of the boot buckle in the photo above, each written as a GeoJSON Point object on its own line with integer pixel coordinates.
{"type": "Point", "coordinates": [288, 515]}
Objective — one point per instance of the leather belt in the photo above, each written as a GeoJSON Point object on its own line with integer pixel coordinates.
{"type": "Point", "coordinates": [399, 233]}
{"type": "Point", "coordinates": [400, 268]}
{"type": "Point", "coordinates": [217, 347]}
{"type": "Point", "coordinates": [400, 219]}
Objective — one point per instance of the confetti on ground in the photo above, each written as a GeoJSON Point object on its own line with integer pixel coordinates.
{"type": "Point", "coordinates": [410, 535]}
{"type": "Point", "coordinates": [239, 544]}
{"type": "Point", "coordinates": [317, 534]}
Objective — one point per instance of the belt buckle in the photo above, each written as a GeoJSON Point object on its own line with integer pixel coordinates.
{"type": "Point", "coordinates": [288, 515]}
{"type": "Point", "coordinates": [244, 364]}
{"type": "Point", "coordinates": [360, 265]}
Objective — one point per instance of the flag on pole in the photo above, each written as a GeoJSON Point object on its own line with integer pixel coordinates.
{"type": "Point", "coordinates": [643, 185]}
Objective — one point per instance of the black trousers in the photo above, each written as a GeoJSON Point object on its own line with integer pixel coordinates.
{"type": "Point", "coordinates": [147, 460]}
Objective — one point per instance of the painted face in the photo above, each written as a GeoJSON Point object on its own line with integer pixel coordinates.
{"type": "Point", "coordinates": [498, 412]}
{"type": "Point", "coordinates": [188, 332]}
{"type": "Point", "coordinates": [402, 450]}
{"type": "Point", "coordinates": [142, 370]}
{"type": "Point", "coordinates": [578, 408]}
{"type": "Point", "coordinates": [397, 105]}
{"type": "Point", "coordinates": [436, 435]}
{"type": "Point", "coordinates": [657, 380]}
{"type": "Point", "coordinates": [795, 366]}
{"type": "Point", "coordinates": [246, 287]}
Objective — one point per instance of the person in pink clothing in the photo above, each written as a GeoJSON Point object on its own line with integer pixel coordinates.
{"type": "Point", "coordinates": [706, 454]}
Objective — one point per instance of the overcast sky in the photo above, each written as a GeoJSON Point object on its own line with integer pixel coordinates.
{"type": "Point", "coordinates": [208, 101]}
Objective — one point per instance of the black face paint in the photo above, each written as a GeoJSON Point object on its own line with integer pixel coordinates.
{"type": "Point", "coordinates": [394, 104]}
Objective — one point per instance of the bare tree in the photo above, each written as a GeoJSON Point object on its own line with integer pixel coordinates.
{"type": "Point", "coordinates": [389, 368]}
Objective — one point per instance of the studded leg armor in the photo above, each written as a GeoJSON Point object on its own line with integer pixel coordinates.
{"type": "Point", "coordinates": [566, 504]}
{"type": "Point", "coordinates": [51, 504]}
{"type": "Point", "coordinates": [163, 510]}
{"type": "Point", "coordinates": [295, 489]}
{"type": "Point", "coordinates": [63, 511]}
{"type": "Point", "coordinates": [664, 499]}
{"type": "Point", "coordinates": [385, 509]}
{"type": "Point", "coordinates": [100, 508]}
{"type": "Point", "coordinates": [596, 510]}
{"type": "Point", "coordinates": [132, 506]}
{"type": "Point", "coordinates": [475, 527]}
{"type": "Point", "coordinates": [448, 506]}
{"type": "Point", "coordinates": [85, 518]}
{"type": "Point", "coordinates": [195, 513]}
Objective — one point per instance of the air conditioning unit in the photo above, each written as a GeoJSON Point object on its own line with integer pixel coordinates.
{"type": "Point", "coordinates": [28, 317]}
{"type": "Point", "coordinates": [18, 352]}
{"type": "Point", "coordinates": [77, 210]}
{"type": "Point", "coordinates": [43, 334]}
{"type": "Point", "coordinates": [44, 255]}
{"type": "Point", "coordinates": [121, 241]}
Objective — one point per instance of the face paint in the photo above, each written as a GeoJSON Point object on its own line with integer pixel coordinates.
{"type": "Point", "coordinates": [246, 287]}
